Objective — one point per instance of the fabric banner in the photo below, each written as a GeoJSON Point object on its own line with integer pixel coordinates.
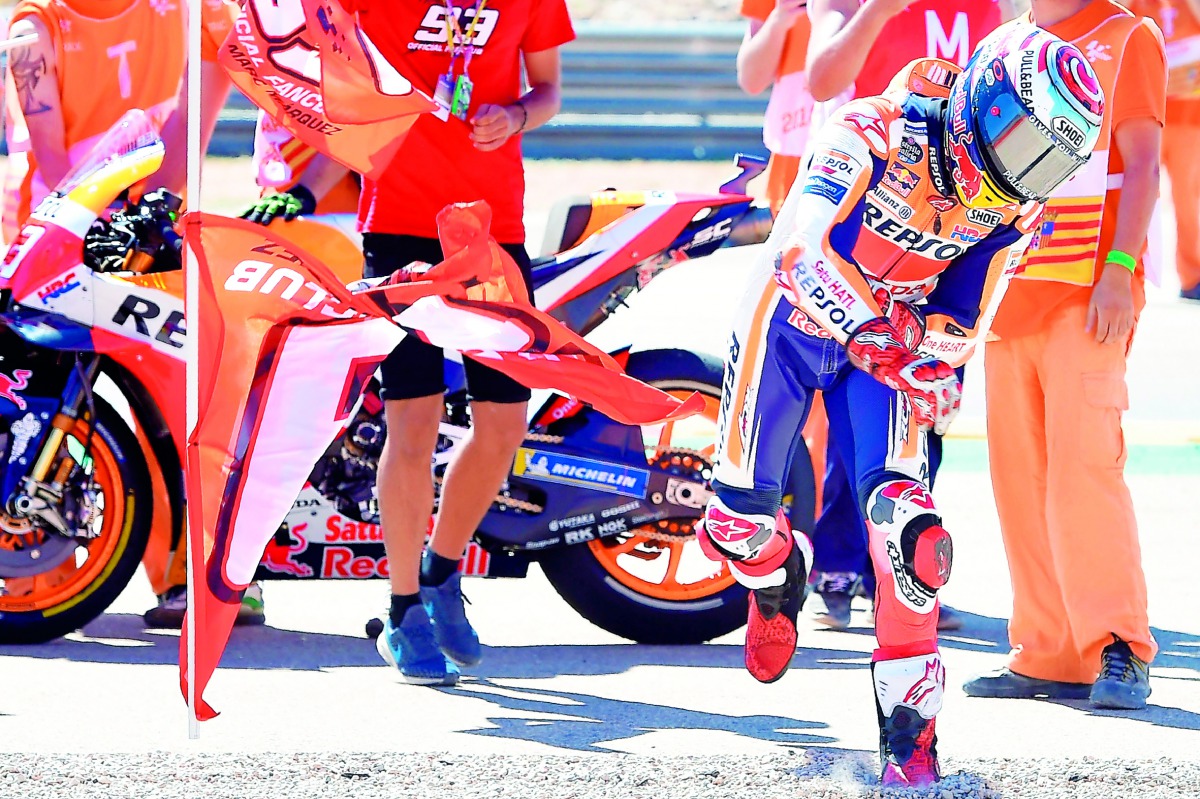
{"type": "Point", "coordinates": [308, 65]}
{"type": "Point", "coordinates": [286, 353]}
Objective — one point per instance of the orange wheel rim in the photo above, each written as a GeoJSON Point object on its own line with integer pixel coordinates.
{"type": "Point", "coordinates": [72, 579]}
{"type": "Point", "coordinates": [648, 560]}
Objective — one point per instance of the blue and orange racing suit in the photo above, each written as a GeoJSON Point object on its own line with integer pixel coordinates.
{"type": "Point", "coordinates": [875, 217]}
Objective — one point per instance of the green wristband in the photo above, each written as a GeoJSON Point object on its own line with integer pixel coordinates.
{"type": "Point", "coordinates": [1121, 259]}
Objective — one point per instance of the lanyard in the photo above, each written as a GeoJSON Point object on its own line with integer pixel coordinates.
{"type": "Point", "coordinates": [454, 32]}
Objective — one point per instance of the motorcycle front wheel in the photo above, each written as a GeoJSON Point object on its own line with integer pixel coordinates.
{"type": "Point", "coordinates": [653, 585]}
{"type": "Point", "coordinates": [39, 606]}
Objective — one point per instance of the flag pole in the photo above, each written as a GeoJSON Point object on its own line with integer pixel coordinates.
{"type": "Point", "coordinates": [192, 315]}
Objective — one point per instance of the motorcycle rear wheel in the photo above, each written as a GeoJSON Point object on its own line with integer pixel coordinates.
{"type": "Point", "coordinates": [613, 582]}
{"type": "Point", "coordinates": [46, 606]}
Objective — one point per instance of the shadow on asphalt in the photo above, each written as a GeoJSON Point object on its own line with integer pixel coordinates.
{"type": "Point", "coordinates": [588, 723]}
{"type": "Point", "coordinates": [122, 638]}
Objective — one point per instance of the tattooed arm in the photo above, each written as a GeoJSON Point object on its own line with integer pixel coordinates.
{"type": "Point", "coordinates": [33, 80]}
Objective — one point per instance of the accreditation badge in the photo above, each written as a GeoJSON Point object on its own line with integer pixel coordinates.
{"type": "Point", "coordinates": [461, 101]}
{"type": "Point", "coordinates": [443, 97]}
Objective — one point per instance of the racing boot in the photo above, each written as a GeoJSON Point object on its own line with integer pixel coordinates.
{"type": "Point", "coordinates": [764, 556]}
{"type": "Point", "coordinates": [908, 695]}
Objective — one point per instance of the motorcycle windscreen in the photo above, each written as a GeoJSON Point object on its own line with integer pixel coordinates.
{"type": "Point", "coordinates": [130, 151]}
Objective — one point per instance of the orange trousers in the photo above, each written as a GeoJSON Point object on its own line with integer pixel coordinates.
{"type": "Point", "coordinates": [1180, 159]}
{"type": "Point", "coordinates": [1054, 405]}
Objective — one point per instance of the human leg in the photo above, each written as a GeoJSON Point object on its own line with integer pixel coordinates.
{"type": "Point", "coordinates": [911, 553]}
{"type": "Point", "coordinates": [839, 545]}
{"type": "Point", "coordinates": [412, 386]}
{"type": "Point", "coordinates": [1090, 517]}
{"type": "Point", "coordinates": [1039, 629]}
{"type": "Point", "coordinates": [764, 400]}
{"type": "Point", "coordinates": [473, 478]}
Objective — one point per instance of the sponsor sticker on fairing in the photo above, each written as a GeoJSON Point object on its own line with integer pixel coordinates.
{"type": "Point", "coordinates": [571, 522]}
{"type": "Point", "coordinates": [554, 467]}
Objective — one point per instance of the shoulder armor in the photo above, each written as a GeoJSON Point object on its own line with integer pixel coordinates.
{"type": "Point", "coordinates": [927, 77]}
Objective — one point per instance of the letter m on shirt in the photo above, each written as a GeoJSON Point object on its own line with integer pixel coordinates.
{"type": "Point", "coordinates": [954, 46]}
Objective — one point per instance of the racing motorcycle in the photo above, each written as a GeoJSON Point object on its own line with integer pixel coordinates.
{"type": "Point", "coordinates": [91, 376]}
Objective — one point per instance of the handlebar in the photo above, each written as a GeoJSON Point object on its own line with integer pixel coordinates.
{"type": "Point", "coordinates": [137, 237]}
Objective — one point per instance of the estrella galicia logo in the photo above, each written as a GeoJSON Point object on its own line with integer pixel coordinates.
{"type": "Point", "coordinates": [554, 467]}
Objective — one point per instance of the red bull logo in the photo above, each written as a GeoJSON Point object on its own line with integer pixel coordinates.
{"type": "Point", "coordinates": [901, 179]}
{"type": "Point", "coordinates": [9, 386]}
{"type": "Point", "coordinates": [281, 557]}
{"type": "Point", "coordinates": [966, 174]}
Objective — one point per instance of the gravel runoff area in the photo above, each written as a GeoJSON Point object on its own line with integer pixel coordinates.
{"type": "Point", "coordinates": [811, 773]}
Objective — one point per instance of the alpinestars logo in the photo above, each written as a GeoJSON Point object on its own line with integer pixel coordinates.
{"type": "Point", "coordinates": [1098, 52]}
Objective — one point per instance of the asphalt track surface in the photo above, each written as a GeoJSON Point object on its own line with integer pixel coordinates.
{"type": "Point", "coordinates": [559, 708]}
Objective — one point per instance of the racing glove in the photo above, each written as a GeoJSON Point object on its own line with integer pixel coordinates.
{"type": "Point", "coordinates": [933, 389]}
{"type": "Point", "coordinates": [287, 205]}
{"type": "Point", "coordinates": [907, 319]}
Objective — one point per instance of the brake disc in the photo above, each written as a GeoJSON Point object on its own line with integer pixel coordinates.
{"type": "Point", "coordinates": [26, 551]}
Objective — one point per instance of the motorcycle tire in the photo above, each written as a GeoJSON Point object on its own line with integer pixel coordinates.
{"type": "Point", "coordinates": [85, 590]}
{"type": "Point", "coordinates": [589, 579]}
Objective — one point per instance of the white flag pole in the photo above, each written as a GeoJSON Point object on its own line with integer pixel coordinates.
{"type": "Point", "coordinates": [192, 316]}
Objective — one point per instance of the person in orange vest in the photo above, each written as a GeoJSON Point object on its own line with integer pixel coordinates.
{"type": "Point", "coordinates": [856, 47]}
{"type": "Point", "coordinates": [1180, 24]}
{"type": "Point", "coordinates": [1056, 391]}
{"type": "Point", "coordinates": [91, 62]}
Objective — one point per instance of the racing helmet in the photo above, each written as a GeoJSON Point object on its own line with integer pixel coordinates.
{"type": "Point", "coordinates": [1023, 116]}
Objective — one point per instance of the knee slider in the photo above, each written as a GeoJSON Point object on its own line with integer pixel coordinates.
{"type": "Point", "coordinates": [917, 545]}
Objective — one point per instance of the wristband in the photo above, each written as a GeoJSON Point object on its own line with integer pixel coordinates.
{"type": "Point", "coordinates": [524, 115]}
{"type": "Point", "coordinates": [1121, 259]}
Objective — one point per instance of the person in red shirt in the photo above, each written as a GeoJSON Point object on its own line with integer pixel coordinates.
{"type": "Point", "coordinates": [468, 54]}
{"type": "Point", "coordinates": [855, 49]}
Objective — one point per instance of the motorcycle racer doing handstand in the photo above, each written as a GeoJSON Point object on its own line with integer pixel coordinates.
{"type": "Point", "coordinates": [890, 258]}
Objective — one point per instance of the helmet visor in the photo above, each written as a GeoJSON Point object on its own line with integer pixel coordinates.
{"type": "Point", "coordinates": [1023, 157]}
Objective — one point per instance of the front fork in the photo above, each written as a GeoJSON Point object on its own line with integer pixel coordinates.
{"type": "Point", "coordinates": [42, 492]}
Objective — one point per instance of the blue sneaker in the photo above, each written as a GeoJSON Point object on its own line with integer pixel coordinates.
{"type": "Point", "coordinates": [412, 649]}
{"type": "Point", "coordinates": [1124, 681]}
{"type": "Point", "coordinates": [454, 634]}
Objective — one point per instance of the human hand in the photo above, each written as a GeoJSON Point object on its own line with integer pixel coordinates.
{"type": "Point", "coordinates": [905, 317]}
{"type": "Point", "coordinates": [787, 13]}
{"type": "Point", "coordinates": [492, 125]}
{"type": "Point", "coordinates": [933, 389]}
{"type": "Point", "coordinates": [285, 205]}
{"type": "Point", "coordinates": [1110, 311]}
